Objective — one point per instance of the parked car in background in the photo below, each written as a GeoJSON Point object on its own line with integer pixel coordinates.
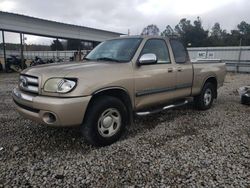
{"type": "Point", "coordinates": [120, 78]}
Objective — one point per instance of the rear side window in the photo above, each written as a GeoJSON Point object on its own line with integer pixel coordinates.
{"type": "Point", "coordinates": [157, 47]}
{"type": "Point", "coordinates": [180, 53]}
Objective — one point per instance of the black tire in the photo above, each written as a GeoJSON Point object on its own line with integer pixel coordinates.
{"type": "Point", "coordinates": [245, 100]}
{"type": "Point", "coordinates": [201, 101]}
{"type": "Point", "coordinates": [91, 126]}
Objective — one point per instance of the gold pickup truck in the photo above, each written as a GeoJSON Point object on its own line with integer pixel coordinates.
{"type": "Point", "coordinates": [118, 79]}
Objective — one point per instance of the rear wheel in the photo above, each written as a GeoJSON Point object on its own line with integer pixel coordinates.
{"type": "Point", "coordinates": [205, 100]}
{"type": "Point", "coordinates": [105, 121]}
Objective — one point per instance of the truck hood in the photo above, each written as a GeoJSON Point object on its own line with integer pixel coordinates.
{"type": "Point", "coordinates": [91, 75]}
{"type": "Point", "coordinates": [64, 69]}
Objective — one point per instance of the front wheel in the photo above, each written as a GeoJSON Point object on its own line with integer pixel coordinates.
{"type": "Point", "coordinates": [205, 100]}
{"type": "Point", "coordinates": [105, 121]}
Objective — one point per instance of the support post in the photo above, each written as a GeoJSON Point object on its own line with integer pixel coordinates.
{"type": "Point", "coordinates": [57, 53]}
{"type": "Point", "coordinates": [4, 51]}
{"type": "Point", "coordinates": [80, 52]}
{"type": "Point", "coordinates": [21, 43]}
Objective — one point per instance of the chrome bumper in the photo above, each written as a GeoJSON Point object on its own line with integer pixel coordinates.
{"type": "Point", "coordinates": [66, 111]}
{"type": "Point", "coordinates": [22, 96]}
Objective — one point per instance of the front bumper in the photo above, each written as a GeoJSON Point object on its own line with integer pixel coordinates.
{"type": "Point", "coordinates": [65, 111]}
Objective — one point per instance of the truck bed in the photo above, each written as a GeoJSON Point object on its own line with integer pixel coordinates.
{"type": "Point", "coordinates": [205, 68]}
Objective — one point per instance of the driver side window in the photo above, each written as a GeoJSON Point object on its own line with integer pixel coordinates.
{"type": "Point", "coordinates": [159, 48]}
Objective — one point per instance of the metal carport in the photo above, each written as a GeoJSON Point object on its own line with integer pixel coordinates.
{"type": "Point", "coordinates": [35, 26]}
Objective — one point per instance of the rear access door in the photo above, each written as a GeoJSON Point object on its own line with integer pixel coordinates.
{"type": "Point", "coordinates": [183, 68]}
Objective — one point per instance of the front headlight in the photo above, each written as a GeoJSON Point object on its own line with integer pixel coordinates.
{"type": "Point", "coordinates": [59, 85]}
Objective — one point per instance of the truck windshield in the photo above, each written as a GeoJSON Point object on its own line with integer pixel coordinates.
{"type": "Point", "coordinates": [117, 50]}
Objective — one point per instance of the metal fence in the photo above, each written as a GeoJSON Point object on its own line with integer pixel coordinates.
{"type": "Point", "coordinates": [30, 55]}
{"type": "Point", "coordinates": [236, 58]}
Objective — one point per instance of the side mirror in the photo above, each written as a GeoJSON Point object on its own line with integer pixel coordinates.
{"type": "Point", "coordinates": [147, 59]}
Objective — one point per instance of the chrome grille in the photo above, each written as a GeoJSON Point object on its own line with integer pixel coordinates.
{"type": "Point", "coordinates": [29, 83]}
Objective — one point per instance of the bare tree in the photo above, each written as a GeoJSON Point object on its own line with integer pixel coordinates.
{"type": "Point", "coordinates": [151, 30]}
{"type": "Point", "coordinates": [168, 32]}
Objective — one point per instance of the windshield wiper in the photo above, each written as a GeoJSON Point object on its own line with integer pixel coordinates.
{"type": "Point", "coordinates": [107, 59]}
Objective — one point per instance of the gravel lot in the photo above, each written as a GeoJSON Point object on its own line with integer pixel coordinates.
{"type": "Point", "coordinates": [181, 147]}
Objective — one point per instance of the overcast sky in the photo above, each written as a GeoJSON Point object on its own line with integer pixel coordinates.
{"type": "Point", "coordinates": [121, 15]}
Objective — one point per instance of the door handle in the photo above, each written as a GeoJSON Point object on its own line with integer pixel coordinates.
{"type": "Point", "coordinates": [170, 69]}
{"type": "Point", "coordinates": [179, 69]}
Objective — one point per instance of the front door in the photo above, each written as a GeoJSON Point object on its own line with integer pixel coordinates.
{"type": "Point", "coordinates": [155, 83]}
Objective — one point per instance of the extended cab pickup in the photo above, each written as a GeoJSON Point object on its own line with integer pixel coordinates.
{"type": "Point", "coordinates": [118, 79]}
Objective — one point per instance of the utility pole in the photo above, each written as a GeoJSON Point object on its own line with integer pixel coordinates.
{"type": "Point", "coordinates": [239, 58]}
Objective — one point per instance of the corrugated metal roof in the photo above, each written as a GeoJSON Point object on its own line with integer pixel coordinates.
{"type": "Point", "coordinates": [37, 26]}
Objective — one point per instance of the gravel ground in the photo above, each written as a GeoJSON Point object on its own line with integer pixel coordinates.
{"type": "Point", "coordinates": [178, 148]}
